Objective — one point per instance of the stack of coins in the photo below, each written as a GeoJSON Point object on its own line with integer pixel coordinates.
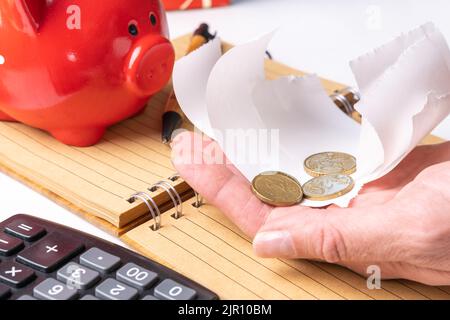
{"type": "Point", "coordinates": [331, 172]}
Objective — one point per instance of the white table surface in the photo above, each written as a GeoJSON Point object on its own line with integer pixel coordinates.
{"type": "Point", "coordinates": [316, 36]}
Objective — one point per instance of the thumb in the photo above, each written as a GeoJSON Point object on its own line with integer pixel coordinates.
{"type": "Point", "coordinates": [333, 235]}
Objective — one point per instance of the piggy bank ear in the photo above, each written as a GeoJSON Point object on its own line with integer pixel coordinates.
{"type": "Point", "coordinates": [31, 13]}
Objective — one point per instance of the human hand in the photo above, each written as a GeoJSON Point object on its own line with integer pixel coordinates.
{"type": "Point", "coordinates": [400, 222]}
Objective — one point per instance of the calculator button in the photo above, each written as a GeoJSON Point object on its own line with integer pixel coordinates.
{"type": "Point", "coordinates": [149, 298]}
{"type": "Point", "coordinates": [25, 230]}
{"type": "Point", "coordinates": [99, 260]}
{"type": "Point", "coordinates": [89, 297]}
{"type": "Point", "coordinates": [51, 289]}
{"type": "Point", "coordinates": [171, 290]}
{"type": "Point", "coordinates": [77, 276]}
{"type": "Point", "coordinates": [26, 297]}
{"type": "Point", "coordinates": [9, 245]}
{"type": "Point", "coordinates": [4, 292]}
{"type": "Point", "coordinates": [15, 275]}
{"type": "Point", "coordinates": [112, 289]}
{"type": "Point", "coordinates": [136, 276]}
{"type": "Point", "coordinates": [50, 252]}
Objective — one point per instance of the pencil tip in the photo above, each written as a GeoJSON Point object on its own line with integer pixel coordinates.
{"type": "Point", "coordinates": [171, 122]}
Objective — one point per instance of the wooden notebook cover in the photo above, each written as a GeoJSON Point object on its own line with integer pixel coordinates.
{"type": "Point", "coordinates": [205, 246]}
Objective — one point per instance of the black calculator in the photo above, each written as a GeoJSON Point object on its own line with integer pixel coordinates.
{"type": "Point", "coordinates": [41, 260]}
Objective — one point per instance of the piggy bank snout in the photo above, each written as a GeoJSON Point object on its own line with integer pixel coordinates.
{"type": "Point", "coordinates": [150, 65]}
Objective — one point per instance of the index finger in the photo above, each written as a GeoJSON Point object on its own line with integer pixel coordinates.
{"type": "Point", "coordinates": [218, 181]}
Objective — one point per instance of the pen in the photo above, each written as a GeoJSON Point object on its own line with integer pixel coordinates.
{"type": "Point", "coordinates": [173, 117]}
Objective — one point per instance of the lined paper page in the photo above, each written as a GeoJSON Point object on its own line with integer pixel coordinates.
{"type": "Point", "coordinates": [99, 179]}
{"type": "Point", "coordinates": [206, 246]}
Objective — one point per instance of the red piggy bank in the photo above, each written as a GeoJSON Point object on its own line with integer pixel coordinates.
{"type": "Point", "coordinates": [75, 67]}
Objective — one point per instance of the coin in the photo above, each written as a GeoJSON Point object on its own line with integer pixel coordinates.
{"type": "Point", "coordinates": [328, 187]}
{"type": "Point", "coordinates": [330, 163]}
{"type": "Point", "coordinates": [277, 189]}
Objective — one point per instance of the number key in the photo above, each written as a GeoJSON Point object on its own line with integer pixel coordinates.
{"type": "Point", "coordinates": [114, 290]}
{"type": "Point", "coordinates": [136, 276]}
{"type": "Point", "coordinates": [77, 276]}
{"type": "Point", "coordinates": [51, 289]}
{"type": "Point", "coordinates": [171, 290]}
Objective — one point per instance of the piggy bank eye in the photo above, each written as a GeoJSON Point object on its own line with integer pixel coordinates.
{"type": "Point", "coordinates": [153, 19]}
{"type": "Point", "coordinates": [133, 29]}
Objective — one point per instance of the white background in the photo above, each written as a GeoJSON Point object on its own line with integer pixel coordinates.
{"type": "Point", "coordinates": [319, 36]}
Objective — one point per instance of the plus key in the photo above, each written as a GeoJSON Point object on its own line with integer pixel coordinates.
{"type": "Point", "coordinates": [51, 252]}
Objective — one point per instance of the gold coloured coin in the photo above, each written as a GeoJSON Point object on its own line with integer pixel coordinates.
{"type": "Point", "coordinates": [277, 189]}
{"type": "Point", "coordinates": [330, 163]}
{"type": "Point", "coordinates": [328, 187]}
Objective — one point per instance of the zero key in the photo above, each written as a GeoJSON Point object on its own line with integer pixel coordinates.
{"type": "Point", "coordinates": [51, 252]}
{"type": "Point", "coordinates": [25, 230]}
{"type": "Point", "coordinates": [171, 290]}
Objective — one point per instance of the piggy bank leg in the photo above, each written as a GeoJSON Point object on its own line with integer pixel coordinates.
{"type": "Point", "coordinates": [79, 137]}
{"type": "Point", "coordinates": [5, 117]}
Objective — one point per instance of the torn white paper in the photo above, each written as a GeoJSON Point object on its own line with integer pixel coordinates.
{"type": "Point", "coordinates": [405, 88]}
{"type": "Point", "coordinates": [194, 103]}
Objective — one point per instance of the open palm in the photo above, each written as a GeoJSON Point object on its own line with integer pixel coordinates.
{"type": "Point", "coordinates": [400, 222]}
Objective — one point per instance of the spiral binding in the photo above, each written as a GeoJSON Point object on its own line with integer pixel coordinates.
{"type": "Point", "coordinates": [348, 108]}
{"type": "Point", "coordinates": [173, 194]}
{"type": "Point", "coordinates": [153, 207]}
{"type": "Point", "coordinates": [198, 200]}
{"type": "Point", "coordinates": [356, 94]}
{"type": "Point", "coordinates": [347, 105]}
